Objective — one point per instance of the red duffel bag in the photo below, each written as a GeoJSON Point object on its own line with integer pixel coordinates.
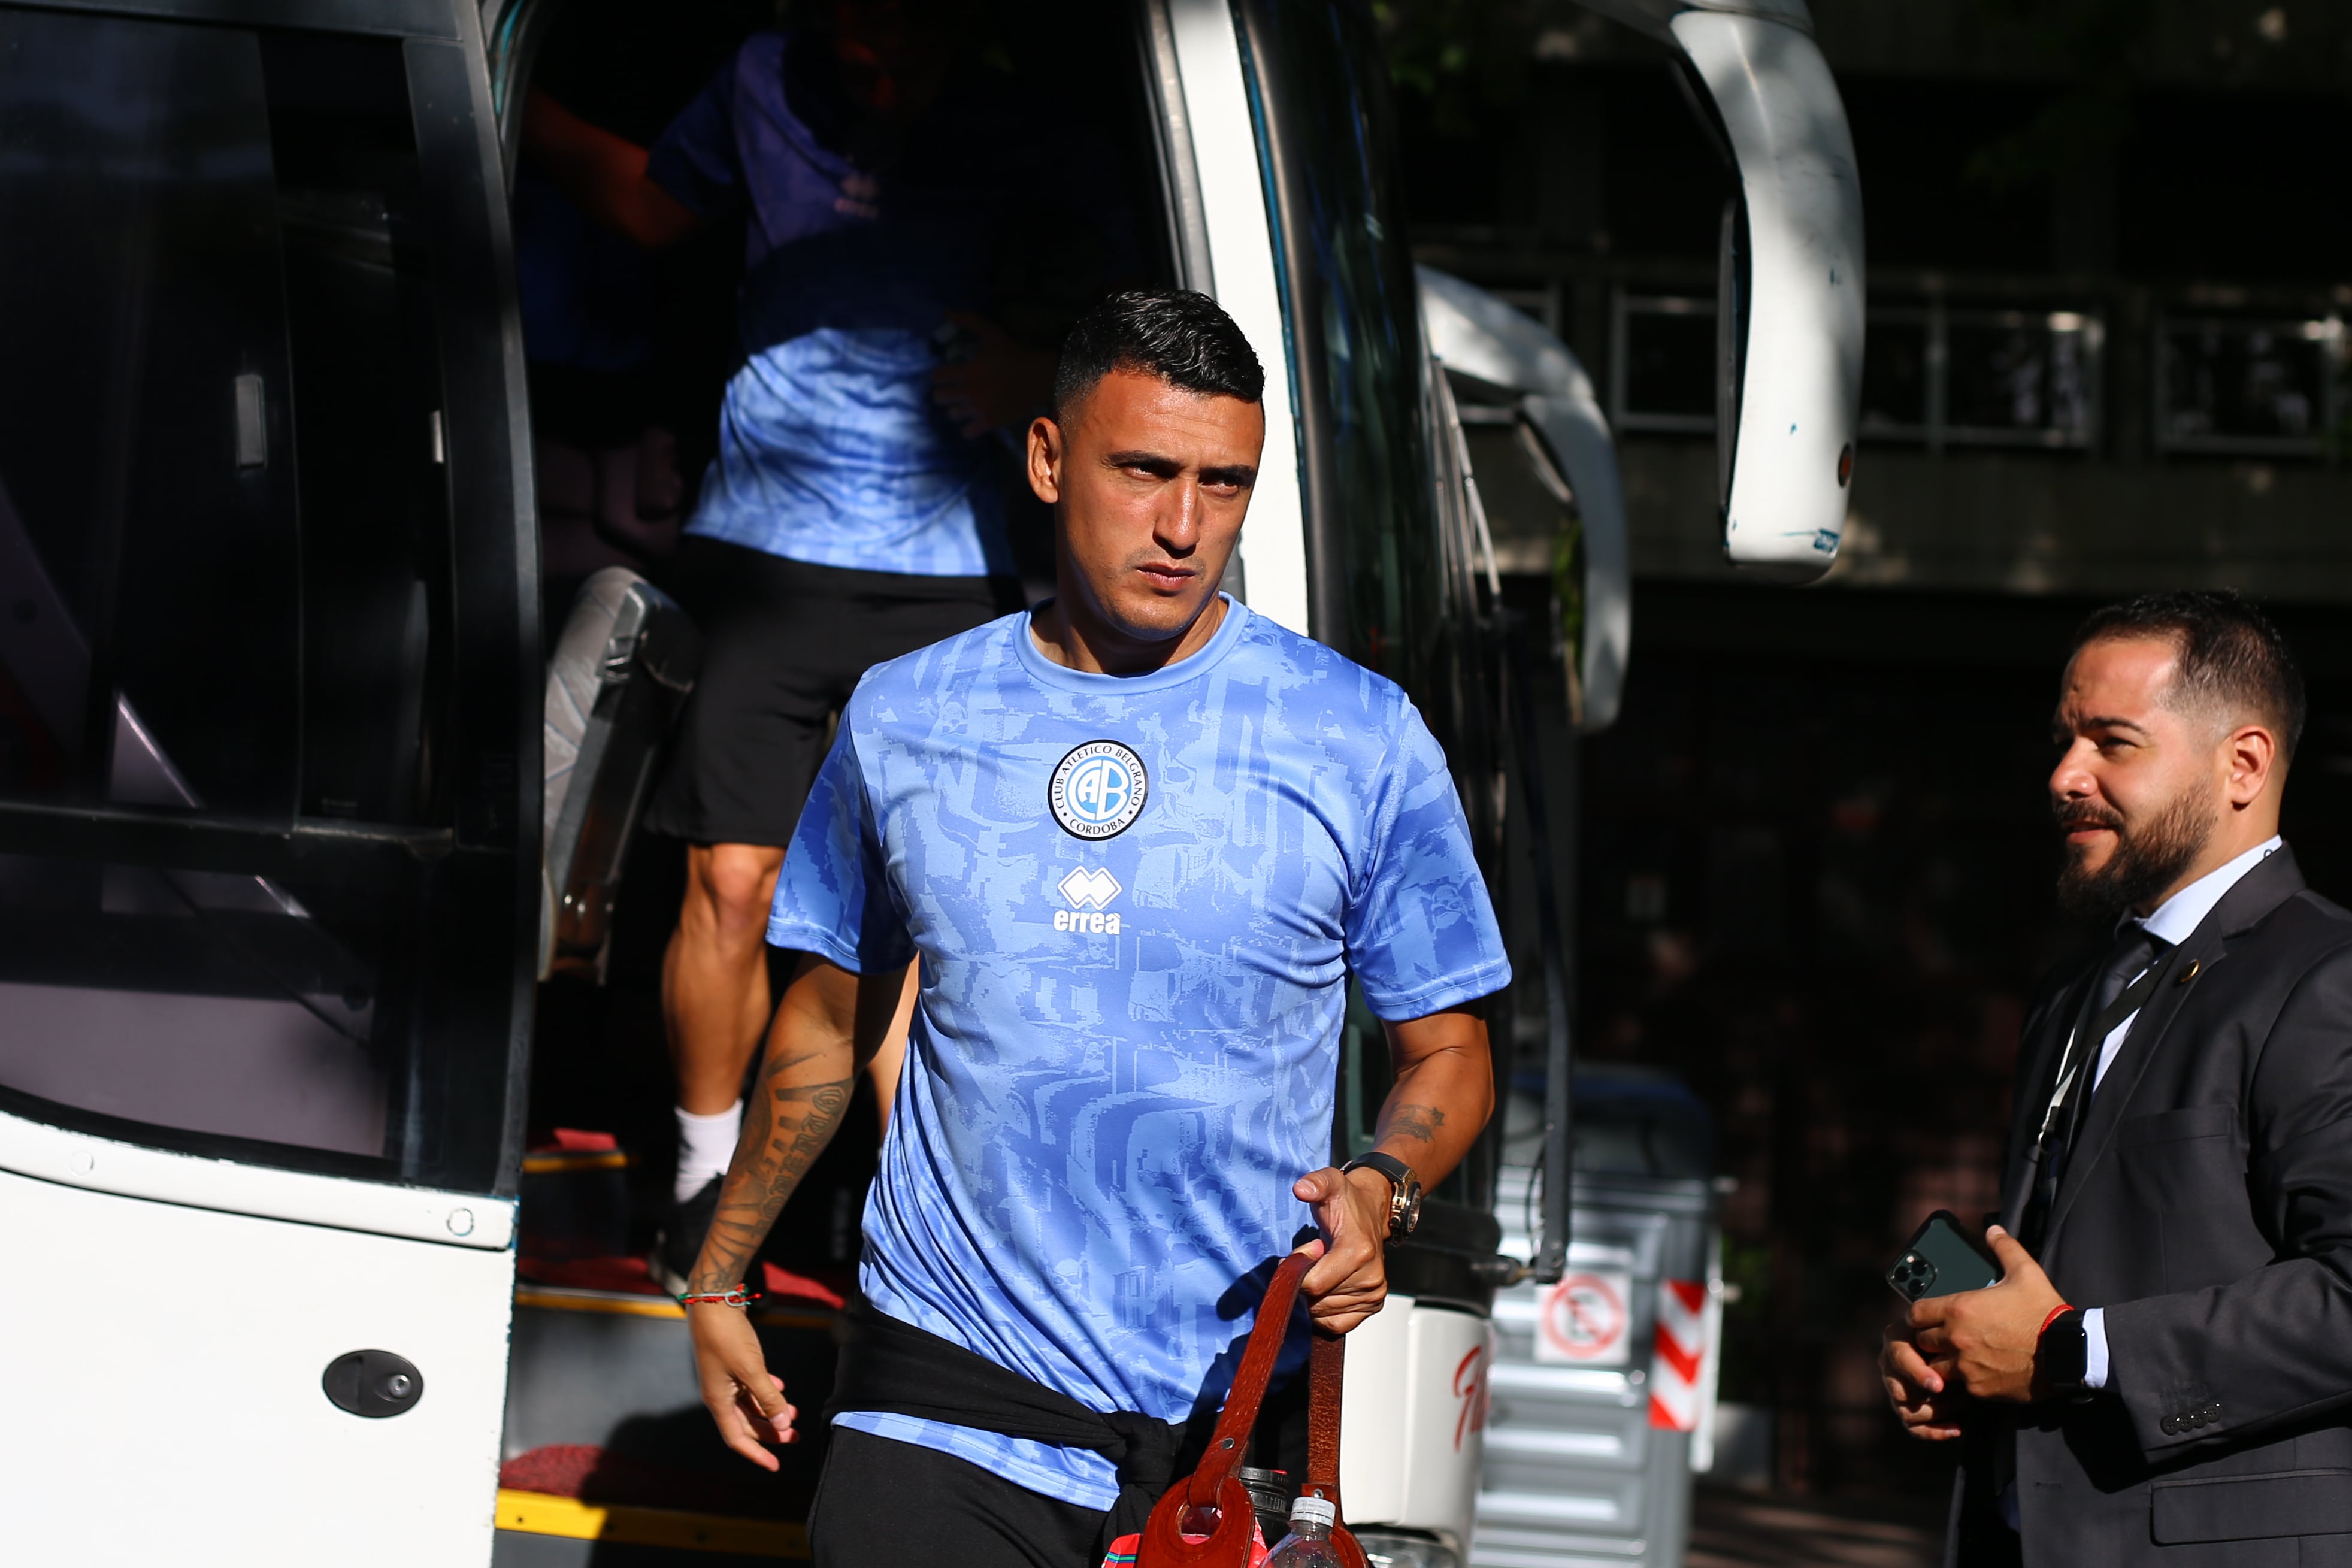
{"type": "Point", "coordinates": [1216, 1484]}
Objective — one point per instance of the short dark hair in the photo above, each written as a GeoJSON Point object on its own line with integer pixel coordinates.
{"type": "Point", "coordinates": [1182, 337]}
{"type": "Point", "coordinates": [2229, 654]}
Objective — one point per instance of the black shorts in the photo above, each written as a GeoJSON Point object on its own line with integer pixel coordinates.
{"type": "Point", "coordinates": [783, 644]}
{"type": "Point", "coordinates": [883, 1501]}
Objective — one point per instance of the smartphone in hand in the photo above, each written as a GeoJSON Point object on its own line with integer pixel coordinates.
{"type": "Point", "coordinates": [1941, 1259]}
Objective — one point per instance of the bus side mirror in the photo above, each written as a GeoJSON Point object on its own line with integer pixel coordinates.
{"type": "Point", "coordinates": [1790, 294]}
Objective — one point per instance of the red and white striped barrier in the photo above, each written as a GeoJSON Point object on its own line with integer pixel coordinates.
{"type": "Point", "coordinates": [1676, 1371]}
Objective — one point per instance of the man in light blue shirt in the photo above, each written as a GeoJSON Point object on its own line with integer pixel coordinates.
{"type": "Point", "coordinates": [1137, 842]}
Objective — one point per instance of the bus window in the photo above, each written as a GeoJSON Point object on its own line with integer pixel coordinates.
{"type": "Point", "coordinates": [368, 449]}
{"type": "Point", "coordinates": [216, 428]}
{"type": "Point", "coordinates": [225, 567]}
{"type": "Point", "coordinates": [197, 1000]}
{"type": "Point", "coordinates": [144, 347]}
{"type": "Point", "coordinates": [1354, 312]}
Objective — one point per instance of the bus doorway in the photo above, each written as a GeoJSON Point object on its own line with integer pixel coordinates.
{"type": "Point", "coordinates": [633, 342]}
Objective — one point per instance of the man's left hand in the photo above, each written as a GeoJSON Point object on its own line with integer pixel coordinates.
{"type": "Point", "coordinates": [1351, 1279]}
{"type": "Point", "coordinates": [1989, 1336]}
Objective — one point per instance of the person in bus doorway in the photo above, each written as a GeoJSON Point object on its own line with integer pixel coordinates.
{"type": "Point", "coordinates": [2163, 1373]}
{"type": "Point", "coordinates": [1135, 842]}
{"type": "Point", "coordinates": [606, 322]}
{"type": "Point", "coordinates": [853, 510]}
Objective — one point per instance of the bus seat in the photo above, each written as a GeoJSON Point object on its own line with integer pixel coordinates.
{"type": "Point", "coordinates": [620, 672]}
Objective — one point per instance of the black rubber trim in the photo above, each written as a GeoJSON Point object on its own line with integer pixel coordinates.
{"type": "Point", "coordinates": [494, 535]}
{"type": "Point", "coordinates": [385, 18]}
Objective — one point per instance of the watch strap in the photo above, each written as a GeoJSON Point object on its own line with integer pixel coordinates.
{"type": "Point", "coordinates": [1388, 1165]}
{"type": "Point", "coordinates": [1404, 1190]}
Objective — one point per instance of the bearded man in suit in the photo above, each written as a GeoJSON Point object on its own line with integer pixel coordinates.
{"type": "Point", "coordinates": [2164, 1373]}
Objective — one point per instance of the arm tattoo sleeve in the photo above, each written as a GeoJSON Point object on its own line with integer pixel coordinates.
{"type": "Point", "coordinates": [785, 1127]}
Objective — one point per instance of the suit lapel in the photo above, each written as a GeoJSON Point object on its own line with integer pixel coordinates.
{"type": "Point", "coordinates": [2262, 889]}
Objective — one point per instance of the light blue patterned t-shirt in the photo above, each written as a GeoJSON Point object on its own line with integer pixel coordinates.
{"type": "Point", "coordinates": [1137, 901]}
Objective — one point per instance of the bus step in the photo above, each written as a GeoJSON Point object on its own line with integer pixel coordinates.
{"type": "Point", "coordinates": [612, 1461]}
{"type": "Point", "coordinates": [547, 1529]}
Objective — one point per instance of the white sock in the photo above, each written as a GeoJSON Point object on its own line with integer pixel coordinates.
{"type": "Point", "coordinates": [705, 1144]}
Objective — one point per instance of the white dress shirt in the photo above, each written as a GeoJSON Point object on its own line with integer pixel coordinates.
{"type": "Point", "coordinates": [2173, 921]}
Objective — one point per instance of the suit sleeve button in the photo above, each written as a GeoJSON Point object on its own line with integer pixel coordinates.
{"type": "Point", "coordinates": [2170, 1424]}
{"type": "Point", "coordinates": [2198, 1420]}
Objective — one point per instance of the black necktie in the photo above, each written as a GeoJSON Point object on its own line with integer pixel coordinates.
{"type": "Point", "coordinates": [2126, 980]}
{"type": "Point", "coordinates": [2135, 949]}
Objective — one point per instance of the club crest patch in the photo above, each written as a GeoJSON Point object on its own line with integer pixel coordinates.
{"type": "Point", "coordinates": [1099, 790]}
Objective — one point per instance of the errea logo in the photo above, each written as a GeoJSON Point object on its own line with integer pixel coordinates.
{"type": "Point", "coordinates": [1089, 888]}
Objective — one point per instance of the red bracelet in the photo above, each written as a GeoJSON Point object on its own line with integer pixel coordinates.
{"type": "Point", "coordinates": [735, 1296]}
{"type": "Point", "coordinates": [2057, 1312]}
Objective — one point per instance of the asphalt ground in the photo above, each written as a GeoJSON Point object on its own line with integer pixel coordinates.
{"type": "Point", "coordinates": [1755, 1530]}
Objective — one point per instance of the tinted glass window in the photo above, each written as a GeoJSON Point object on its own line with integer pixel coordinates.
{"type": "Point", "coordinates": [367, 446]}
{"type": "Point", "coordinates": [151, 557]}
{"type": "Point", "coordinates": [1388, 588]}
{"type": "Point", "coordinates": [220, 512]}
{"type": "Point", "coordinates": [1355, 309]}
{"type": "Point", "coordinates": [206, 1002]}
{"type": "Point", "coordinates": [224, 553]}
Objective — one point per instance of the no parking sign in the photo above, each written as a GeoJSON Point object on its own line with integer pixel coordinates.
{"type": "Point", "coordinates": [1584, 1320]}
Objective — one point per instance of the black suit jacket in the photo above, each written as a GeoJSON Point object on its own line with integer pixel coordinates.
{"type": "Point", "coordinates": [2207, 1207]}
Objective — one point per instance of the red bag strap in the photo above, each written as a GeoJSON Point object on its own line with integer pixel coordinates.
{"type": "Point", "coordinates": [1229, 1443]}
{"type": "Point", "coordinates": [1327, 1367]}
{"type": "Point", "coordinates": [1217, 1483]}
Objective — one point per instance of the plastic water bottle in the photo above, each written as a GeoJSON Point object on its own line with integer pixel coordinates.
{"type": "Point", "coordinates": [1309, 1544]}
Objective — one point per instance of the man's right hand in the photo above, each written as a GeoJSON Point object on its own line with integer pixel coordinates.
{"type": "Point", "coordinates": [828, 1022]}
{"type": "Point", "coordinates": [744, 1398]}
{"type": "Point", "coordinates": [1916, 1390]}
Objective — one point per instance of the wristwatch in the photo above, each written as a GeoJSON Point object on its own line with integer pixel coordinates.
{"type": "Point", "coordinates": [1404, 1189]}
{"type": "Point", "coordinates": [2061, 1357]}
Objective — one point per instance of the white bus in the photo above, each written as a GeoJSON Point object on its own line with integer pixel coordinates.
{"type": "Point", "coordinates": [271, 895]}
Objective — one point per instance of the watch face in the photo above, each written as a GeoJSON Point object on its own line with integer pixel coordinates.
{"type": "Point", "coordinates": [2061, 1355]}
{"type": "Point", "coordinates": [1405, 1213]}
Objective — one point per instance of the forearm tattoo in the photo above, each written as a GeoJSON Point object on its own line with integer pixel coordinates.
{"type": "Point", "coordinates": [1420, 1121]}
{"type": "Point", "coordinates": [786, 1128]}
